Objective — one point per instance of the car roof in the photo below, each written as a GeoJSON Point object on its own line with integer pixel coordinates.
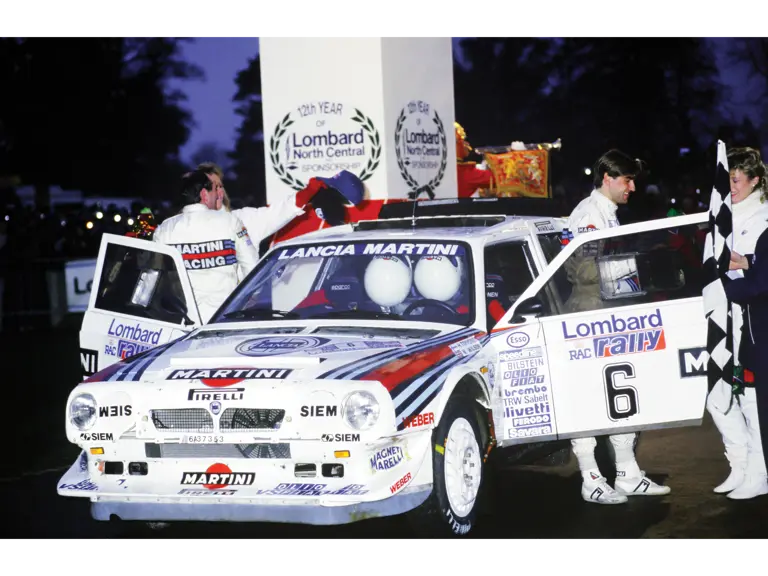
{"type": "Point", "coordinates": [476, 227]}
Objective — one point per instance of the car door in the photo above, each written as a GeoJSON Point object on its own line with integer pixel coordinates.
{"type": "Point", "coordinates": [609, 339]}
{"type": "Point", "coordinates": [141, 297]}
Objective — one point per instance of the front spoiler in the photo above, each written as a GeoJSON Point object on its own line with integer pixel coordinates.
{"type": "Point", "coordinates": [234, 512]}
{"type": "Point", "coordinates": [156, 508]}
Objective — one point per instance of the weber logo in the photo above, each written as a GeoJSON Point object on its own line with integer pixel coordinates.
{"type": "Point", "coordinates": [89, 360]}
{"type": "Point", "coordinates": [693, 362]}
{"type": "Point", "coordinates": [340, 438]}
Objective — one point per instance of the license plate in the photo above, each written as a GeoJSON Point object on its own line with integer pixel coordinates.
{"type": "Point", "coordinates": [204, 439]}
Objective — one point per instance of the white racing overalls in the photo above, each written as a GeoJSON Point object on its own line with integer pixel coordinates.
{"type": "Point", "coordinates": [216, 249]}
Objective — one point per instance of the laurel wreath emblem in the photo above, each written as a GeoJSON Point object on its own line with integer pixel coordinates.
{"type": "Point", "coordinates": [429, 187]}
{"type": "Point", "coordinates": [288, 178]}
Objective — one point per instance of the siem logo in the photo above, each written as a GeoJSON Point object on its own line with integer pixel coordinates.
{"type": "Point", "coordinates": [340, 437]}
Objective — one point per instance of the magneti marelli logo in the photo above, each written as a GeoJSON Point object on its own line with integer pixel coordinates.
{"type": "Point", "coordinates": [322, 139]}
{"type": "Point", "coordinates": [421, 148]}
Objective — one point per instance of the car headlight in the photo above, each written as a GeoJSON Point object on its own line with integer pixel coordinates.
{"type": "Point", "coordinates": [361, 410]}
{"type": "Point", "coordinates": [82, 411]}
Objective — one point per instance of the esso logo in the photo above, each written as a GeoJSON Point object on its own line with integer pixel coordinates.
{"type": "Point", "coordinates": [518, 339]}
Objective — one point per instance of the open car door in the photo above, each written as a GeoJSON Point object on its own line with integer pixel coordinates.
{"type": "Point", "coordinates": [611, 338]}
{"type": "Point", "coordinates": [141, 297]}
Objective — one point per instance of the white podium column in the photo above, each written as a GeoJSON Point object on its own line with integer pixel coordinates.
{"type": "Point", "coordinates": [381, 108]}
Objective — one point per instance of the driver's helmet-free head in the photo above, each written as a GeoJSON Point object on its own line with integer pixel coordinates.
{"type": "Point", "coordinates": [387, 280]}
{"type": "Point", "coordinates": [438, 277]}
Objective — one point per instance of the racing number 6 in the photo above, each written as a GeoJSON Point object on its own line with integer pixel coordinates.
{"type": "Point", "coordinates": [622, 400]}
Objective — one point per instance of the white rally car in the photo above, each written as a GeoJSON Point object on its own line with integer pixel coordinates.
{"type": "Point", "coordinates": [369, 369]}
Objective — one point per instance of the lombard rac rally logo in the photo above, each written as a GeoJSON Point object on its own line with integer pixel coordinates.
{"type": "Point", "coordinates": [276, 345]}
{"type": "Point", "coordinates": [518, 339]}
{"type": "Point", "coordinates": [615, 336]}
{"type": "Point", "coordinates": [421, 148]}
{"type": "Point", "coordinates": [322, 138]}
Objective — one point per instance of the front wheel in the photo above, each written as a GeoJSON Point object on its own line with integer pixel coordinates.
{"type": "Point", "coordinates": [457, 467]}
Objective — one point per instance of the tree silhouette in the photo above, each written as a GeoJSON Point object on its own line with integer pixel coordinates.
{"type": "Point", "coordinates": [248, 155]}
{"type": "Point", "coordinates": [212, 152]}
{"type": "Point", "coordinates": [649, 97]}
{"type": "Point", "coordinates": [93, 114]}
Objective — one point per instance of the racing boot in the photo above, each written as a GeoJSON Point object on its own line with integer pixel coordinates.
{"type": "Point", "coordinates": [595, 489]}
{"type": "Point", "coordinates": [754, 485]}
{"type": "Point", "coordinates": [734, 480]}
{"type": "Point", "coordinates": [632, 481]}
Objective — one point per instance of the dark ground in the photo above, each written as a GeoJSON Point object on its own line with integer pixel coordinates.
{"type": "Point", "coordinates": [522, 502]}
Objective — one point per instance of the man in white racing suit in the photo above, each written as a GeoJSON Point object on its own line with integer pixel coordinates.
{"type": "Point", "coordinates": [216, 247]}
{"type": "Point", "coordinates": [614, 175]}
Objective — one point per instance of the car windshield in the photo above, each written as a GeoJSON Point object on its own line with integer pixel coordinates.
{"type": "Point", "coordinates": [429, 281]}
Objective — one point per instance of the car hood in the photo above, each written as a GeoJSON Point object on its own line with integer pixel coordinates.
{"type": "Point", "coordinates": [334, 353]}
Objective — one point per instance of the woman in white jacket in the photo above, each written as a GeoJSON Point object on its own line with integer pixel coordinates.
{"type": "Point", "coordinates": [736, 417]}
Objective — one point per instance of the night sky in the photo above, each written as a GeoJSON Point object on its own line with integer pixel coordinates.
{"type": "Point", "coordinates": [221, 58]}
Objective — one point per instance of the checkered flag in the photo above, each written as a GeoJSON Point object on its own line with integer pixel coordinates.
{"type": "Point", "coordinates": [717, 256]}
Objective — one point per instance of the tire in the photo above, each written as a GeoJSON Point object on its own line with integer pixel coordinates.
{"type": "Point", "coordinates": [452, 506]}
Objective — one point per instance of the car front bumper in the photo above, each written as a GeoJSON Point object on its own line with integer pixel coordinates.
{"type": "Point", "coordinates": [268, 489]}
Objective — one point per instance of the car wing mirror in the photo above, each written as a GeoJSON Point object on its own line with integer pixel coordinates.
{"type": "Point", "coordinates": [527, 308]}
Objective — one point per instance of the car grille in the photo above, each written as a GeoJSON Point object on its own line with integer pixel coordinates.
{"type": "Point", "coordinates": [232, 420]}
{"type": "Point", "coordinates": [261, 450]}
{"type": "Point", "coordinates": [245, 419]}
{"type": "Point", "coordinates": [183, 420]}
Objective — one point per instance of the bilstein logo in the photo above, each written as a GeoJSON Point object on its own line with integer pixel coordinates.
{"type": "Point", "coordinates": [421, 148]}
{"type": "Point", "coordinates": [321, 139]}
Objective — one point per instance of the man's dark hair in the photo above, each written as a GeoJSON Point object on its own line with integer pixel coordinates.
{"type": "Point", "coordinates": [191, 185]}
{"type": "Point", "coordinates": [211, 168]}
{"type": "Point", "coordinates": [615, 163]}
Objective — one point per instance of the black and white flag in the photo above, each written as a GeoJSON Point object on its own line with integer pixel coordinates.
{"type": "Point", "coordinates": [717, 256]}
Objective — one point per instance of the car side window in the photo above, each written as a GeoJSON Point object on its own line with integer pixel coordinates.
{"type": "Point", "coordinates": [508, 272]}
{"type": "Point", "coordinates": [648, 266]}
{"type": "Point", "coordinates": [141, 283]}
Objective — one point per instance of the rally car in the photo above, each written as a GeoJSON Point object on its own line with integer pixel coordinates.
{"type": "Point", "coordinates": [368, 369]}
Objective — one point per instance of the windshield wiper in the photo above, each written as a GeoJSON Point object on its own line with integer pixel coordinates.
{"type": "Point", "coordinates": [359, 314]}
{"type": "Point", "coordinates": [260, 313]}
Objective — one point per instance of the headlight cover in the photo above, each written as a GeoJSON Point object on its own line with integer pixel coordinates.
{"type": "Point", "coordinates": [82, 411]}
{"type": "Point", "coordinates": [361, 410]}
